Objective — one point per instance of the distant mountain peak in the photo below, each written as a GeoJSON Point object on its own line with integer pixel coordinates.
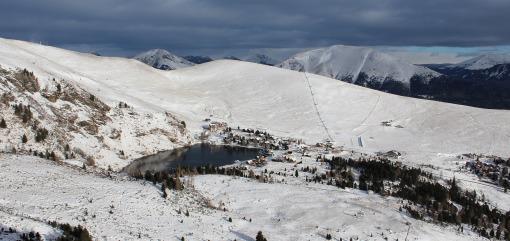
{"type": "Point", "coordinates": [262, 59]}
{"type": "Point", "coordinates": [483, 61]}
{"type": "Point", "coordinates": [231, 57]}
{"type": "Point", "coordinates": [163, 59]}
{"type": "Point", "coordinates": [197, 59]}
{"type": "Point", "coordinates": [355, 65]}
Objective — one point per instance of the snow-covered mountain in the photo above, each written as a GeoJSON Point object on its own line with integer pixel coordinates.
{"type": "Point", "coordinates": [484, 61]}
{"type": "Point", "coordinates": [483, 81]}
{"type": "Point", "coordinates": [81, 99]}
{"type": "Point", "coordinates": [241, 92]}
{"type": "Point", "coordinates": [358, 65]}
{"type": "Point", "coordinates": [231, 57]}
{"type": "Point", "coordinates": [162, 59]}
{"type": "Point", "coordinates": [262, 59]}
{"type": "Point", "coordinates": [196, 59]}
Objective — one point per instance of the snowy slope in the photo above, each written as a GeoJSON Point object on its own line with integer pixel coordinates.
{"type": "Point", "coordinates": [262, 59]}
{"type": "Point", "coordinates": [162, 59]}
{"type": "Point", "coordinates": [283, 102]}
{"type": "Point", "coordinates": [484, 61]}
{"type": "Point", "coordinates": [349, 63]}
{"type": "Point", "coordinates": [111, 209]}
{"type": "Point", "coordinates": [277, 100]}
{"type": "Point", "coordinates": [295, 212]}
{"type": "Point", "coordinates": [79, 125]}
{"type": "Point", "coordinates": [119, 209]}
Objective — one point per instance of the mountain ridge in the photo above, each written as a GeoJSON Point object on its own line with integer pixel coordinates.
{"type": "Point", "coordinates": [239, 93]}
{"type": "Point", "coordinates": [162, 59]}
{"type": "Point", "coordinates": [483, 61]}
{"type": "Point", "coordinates": [349, 63]}
{"type": "Point", "coordinates": [262, 59]}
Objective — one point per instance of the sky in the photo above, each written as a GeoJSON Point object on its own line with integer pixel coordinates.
{"type": "Point", "coordinates": [419, 31]}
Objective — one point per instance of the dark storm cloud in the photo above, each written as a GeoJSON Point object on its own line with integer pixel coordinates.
{"type": "Point", "coordinates": [129, 26]}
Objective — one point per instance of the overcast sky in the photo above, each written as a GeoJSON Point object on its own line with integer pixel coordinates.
{"type": "Point", "coordinates": [439, 30]}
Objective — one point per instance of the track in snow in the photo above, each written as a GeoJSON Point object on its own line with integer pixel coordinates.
{"type": "Point", "coordinates": [317, 108]}
{"type": "Point", "coordinates": [362, 123]}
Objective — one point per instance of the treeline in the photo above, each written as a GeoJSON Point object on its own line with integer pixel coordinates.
{"type": "Point", "coordinates": [171, 178]}
{"type": "Point", "coordinates": [71, 233]}
{"type": "Point", "coordinates": [23, 112]}
{"type": "Point", "coordinates": [485, 88]}
{"type": "Point", "coordinates": [427, 197]}
{"type": "Point", "coordinates": [30, 236]}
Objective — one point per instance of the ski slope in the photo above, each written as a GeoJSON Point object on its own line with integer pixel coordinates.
{"type": "Point", "coordinates": [277, 100]}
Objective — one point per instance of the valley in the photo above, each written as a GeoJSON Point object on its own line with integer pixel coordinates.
{"type": "Point", "coordinates": [129, 110]}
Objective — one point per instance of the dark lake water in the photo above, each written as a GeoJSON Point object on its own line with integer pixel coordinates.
{"type": "Point", "coordinates": [193, 156]}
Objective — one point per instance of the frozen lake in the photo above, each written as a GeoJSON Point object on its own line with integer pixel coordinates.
{"type": "Point", "coordinates": [192, 156]}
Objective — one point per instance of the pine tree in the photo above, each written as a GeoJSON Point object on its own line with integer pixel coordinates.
{"type": "Point", "coordinates": [170, 183]}
{"type": "Point", "coordinates": [260, 237]}
{"type": "Point", "coordinates": [454, 189]}
{"type": "Point", "coordinates": [296, 173]}
{"type": "Point", "coordinates": [148, 176]}
{"type": "Point", "coordinates": [27, 114]}
{"type": "Point", "coordinates": [24, 138]}
{"type": "Point", "coordinates": [53, 156]}
{"type": "Point", "coordinates": [18, 109]}
{"type": "Point", "coordinates": [41, 134]}
{"type": "Point", "coordinates": [163, 189]}
{"type": "Point", "coordinates": [3, 125]}
{"type": "Point", "coordinates": [178, 183]}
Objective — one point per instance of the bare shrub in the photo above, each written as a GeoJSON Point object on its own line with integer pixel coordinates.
{"type": "Point", "coordinates": [90, 161]}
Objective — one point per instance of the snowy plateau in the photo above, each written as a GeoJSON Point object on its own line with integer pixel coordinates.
{"type": "Point", "coordinates": [75, 120]}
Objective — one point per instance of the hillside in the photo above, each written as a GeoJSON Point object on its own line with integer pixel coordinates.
{"type": "Point", "coordinates": [483, 61]}
{"type": "Point", "coordinates": [483, 81]}
{"type": "Point", "coordinates": [117, 109]}
{"type": "Point", "coordinates": [480, 82]}
{"type": "Point", "coordinates": [273, 99]}
{"type": "Point", "coordinates": [51, 116]}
